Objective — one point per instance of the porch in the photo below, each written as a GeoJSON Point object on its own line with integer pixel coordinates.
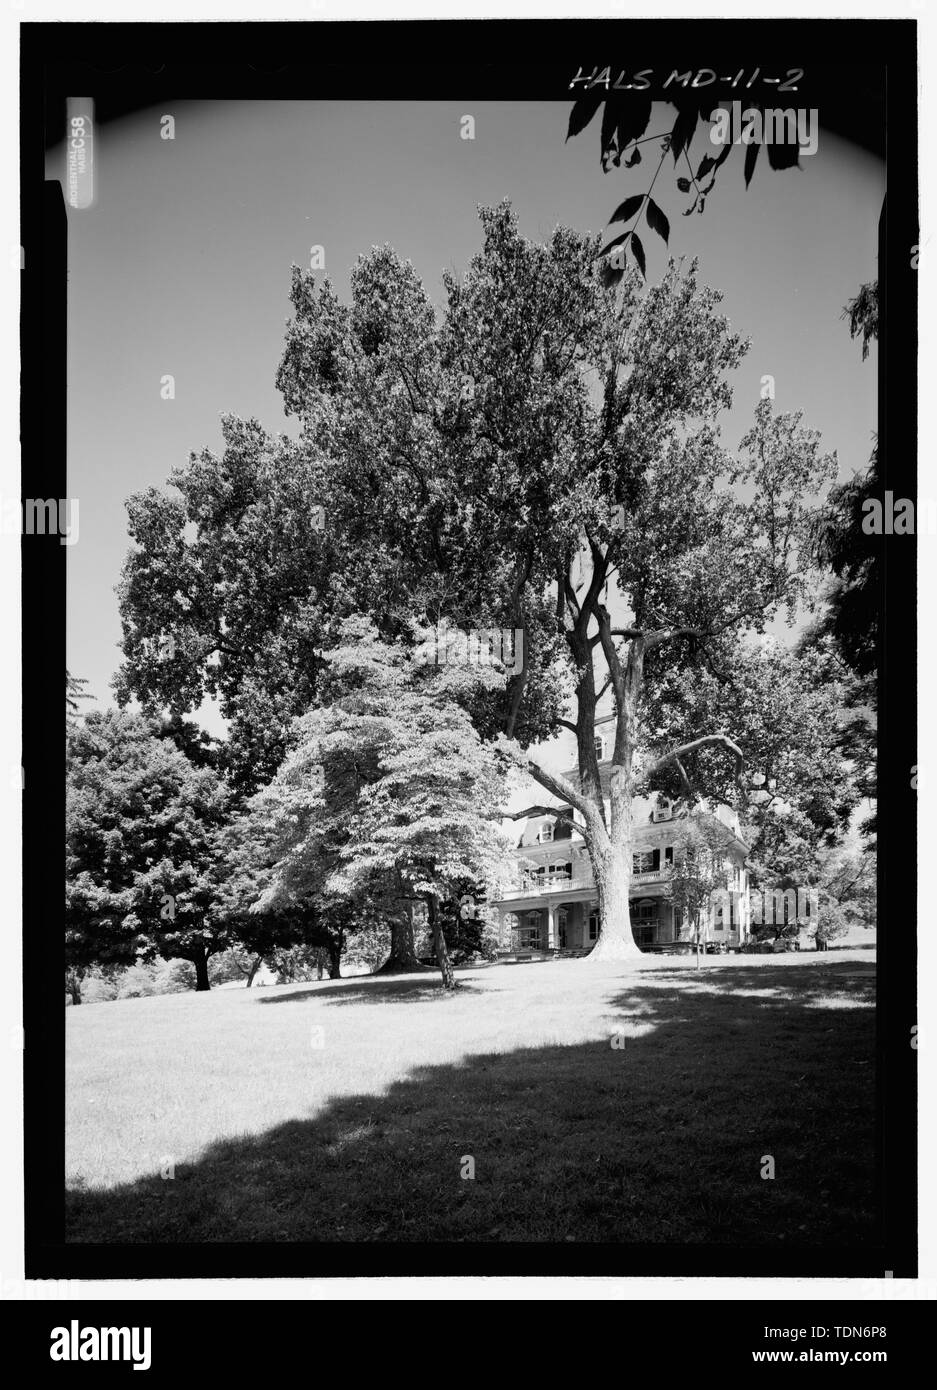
{"type": "Point", "coordinates": [561, 925]}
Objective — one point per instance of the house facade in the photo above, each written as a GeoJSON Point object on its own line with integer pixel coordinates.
{"type": "Point", "coordinates": [553, 906]}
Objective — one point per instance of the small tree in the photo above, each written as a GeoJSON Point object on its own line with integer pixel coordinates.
{"type": "Point", "coordinates": [426, 820]}
{"type": "Point", "coordinates": [387, 796]}
{"type": "Point", "coordinates": [699, 870]}
{"type": "Point", "coordinates": [141, 840]}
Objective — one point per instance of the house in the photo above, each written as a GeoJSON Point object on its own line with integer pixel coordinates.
{"type": "Point", "coordinates": [553, 905]}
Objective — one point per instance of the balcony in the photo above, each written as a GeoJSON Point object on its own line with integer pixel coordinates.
{"type": "Point", "coordinates": [560, 883]}
{"type": "Point", "coordinates": [551, 883]}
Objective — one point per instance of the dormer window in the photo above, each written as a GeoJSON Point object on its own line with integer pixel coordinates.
{"type": "Point", "coordinates": [546, 833]}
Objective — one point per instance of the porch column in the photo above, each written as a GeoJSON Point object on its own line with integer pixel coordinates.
{"type": "Point", "coordinates": [551, 927]}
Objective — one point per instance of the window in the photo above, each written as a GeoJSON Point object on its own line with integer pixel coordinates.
{"type": "Point", "coordinates": [529, 934]}
{"type": "Point", "coordinates": [546, 833]}
{"type": "Point", "coordinates": [593, 926]}
{"type": "Point", "coordinates": [646, 862]}
{"type": "Point", "coordinates": [598, 744]}
{"type": "Point", "coordinates": [668, 855]}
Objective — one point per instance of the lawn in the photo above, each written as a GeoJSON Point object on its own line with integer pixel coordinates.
{"type": "Point", "coordinates": [346, 1110]}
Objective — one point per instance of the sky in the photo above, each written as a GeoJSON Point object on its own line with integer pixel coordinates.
{"type": "Point", "coordinates": [182, 267]}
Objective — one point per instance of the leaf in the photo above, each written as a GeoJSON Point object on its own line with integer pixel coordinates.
{"type": "Point", "coordinates": [783, 156]}
{"type": "Point", "coordinates": [657, 220]}
{"type": "Point", "coordinates": [638, 250]}
{"type": "Point", "coordinates": [751, 157]}
{"type": "Point", "coordinates": [684, 128]}
{"type": "Point", "coordinates": [724, 153]}
{"type": "Point", "coordinates": [633, 115]}
{"type": "Point", "coordinates": [583, 111]}
{"type": "Point", "coordinates": [627, 209]}
{"type": "Point", "coordinates": [705, 164]}
{"type": "Point", "coordinates": [616, 242]}
{"type": "Point", "coordinates": [635, 158]}
{"type": "Point", "coordinates": [683, 185]}
{"type": "Point", "coordinates": [610, 117]}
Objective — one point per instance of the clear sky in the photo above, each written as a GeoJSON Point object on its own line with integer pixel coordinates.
{"type": "Point", "coordinates": [182, 267]}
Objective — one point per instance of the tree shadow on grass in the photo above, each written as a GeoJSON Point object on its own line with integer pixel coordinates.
{"type": "Point", "coordinates": [390, 990]}
{"type": "Point", "coordinates": [655, 1133]}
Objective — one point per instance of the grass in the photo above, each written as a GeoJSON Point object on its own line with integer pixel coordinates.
{"type": "Point", "coordinates": [345, 1110]}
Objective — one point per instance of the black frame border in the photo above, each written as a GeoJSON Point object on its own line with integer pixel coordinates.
{"type": "Point", "coordinates": [128, 66]}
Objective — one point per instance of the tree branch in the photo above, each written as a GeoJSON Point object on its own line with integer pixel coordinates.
{"type": "Point", "coordinates": [707, 741]}
{"type": "Point", "coordinates": [552, 782]}
{"type": "Point", "coordinates": [559, 816]}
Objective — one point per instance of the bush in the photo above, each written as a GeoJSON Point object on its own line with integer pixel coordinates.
{"type": "Point", "coordinates": [834, 921]}
{"type": "Point", "coordinates": [230, 965]}
{"type": "Point", "coordinates": [97, 988]}
{"type": "Point", "coordinates": [299, 963]}
{"type": "Point", "coordinates": [147, 978]}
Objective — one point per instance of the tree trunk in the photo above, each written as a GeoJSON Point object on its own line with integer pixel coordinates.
{"type": "Point", "coordinates": [612, 850]}
{"type": "Point", "coordinates": [201, 971]}
{"type": "Point", "coordinates": [73, 986]}
{"type": "Point", "coordinates": [402, 950]}
{"type": "Point", "coordinates": [335, 959]}
{"type": "Point", "coordinates": [439, 945]}
{"type": "Point", "coordinates": [253, 970]}
{"type": "Point", "coordinates": [320, 964]}
{"type": "Point", "coordinates": [612, 876]}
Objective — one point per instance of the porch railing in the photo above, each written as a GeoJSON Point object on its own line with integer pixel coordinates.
{"type": "Point", "coordinates": [556, 883]}
{"type": "Point", "coordinates": [553, 883]}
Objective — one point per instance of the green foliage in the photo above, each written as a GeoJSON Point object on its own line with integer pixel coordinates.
{"type": "Point", "coordinates": [468, 464]}
{"type": "Point", "coordinates": [74, 691]}
{"type": "Point", "coordinates": [467, 926]}
{"type": "Point", "coordinates": [225, 593]}
{"type": "Point", "coordinates": [786, 710]}
{"type": "Point", "coordinates": [625, 119]}
{"type": "Point", "coordinates": [141, 827]}
{"type": "Point", "coordinates": [862, 314]}
{"type": "Point", "coordinates": [387, 796]}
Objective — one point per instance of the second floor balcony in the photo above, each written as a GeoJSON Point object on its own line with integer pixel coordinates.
{"type": "Point", "coordinates": [536, 884]}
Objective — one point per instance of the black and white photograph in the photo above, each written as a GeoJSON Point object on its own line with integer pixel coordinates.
{"type": "Point", "coordinates": [469, 500]}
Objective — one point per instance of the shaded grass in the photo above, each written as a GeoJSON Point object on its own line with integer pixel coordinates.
{"type": "Point", "coordinates": [342, 1119]}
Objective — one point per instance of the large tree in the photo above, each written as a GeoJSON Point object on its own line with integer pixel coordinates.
{"type": "Point", "coordinates": [546, 456]}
